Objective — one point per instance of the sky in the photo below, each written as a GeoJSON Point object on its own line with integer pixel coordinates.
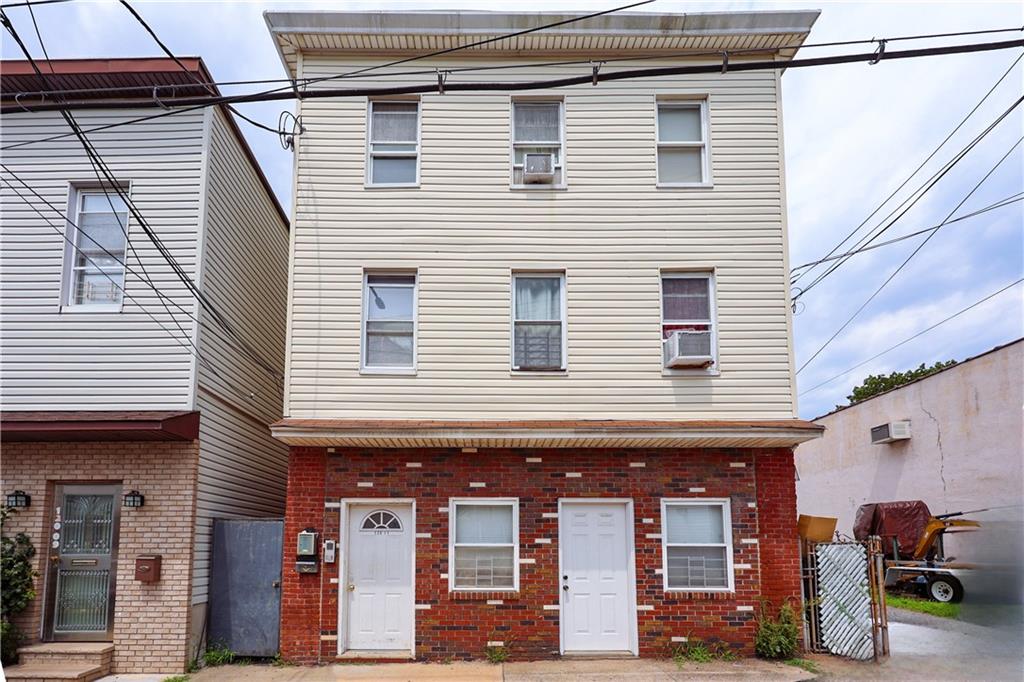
{"type": "Point", "coordinates": [853, 134]}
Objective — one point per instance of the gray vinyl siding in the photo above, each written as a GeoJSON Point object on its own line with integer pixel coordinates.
{"type": "Point", "coordinates": [612, 231]}
{"type": "Point", "coordinates": [242, 469]}
{"type": "Point", "coordinates": [125, 360]}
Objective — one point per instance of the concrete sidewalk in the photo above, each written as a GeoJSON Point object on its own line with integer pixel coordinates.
{"type": "Point", "coordinates": [614, 670]}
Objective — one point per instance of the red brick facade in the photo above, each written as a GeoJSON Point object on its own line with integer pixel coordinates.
{"type": "Point", "coordinates": [760, 484]}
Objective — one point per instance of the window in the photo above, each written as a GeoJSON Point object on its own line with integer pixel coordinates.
{"type": "Point", "coordinates": [484, 544]}
{"type": "Point", "coordinates": [389, 315]}
{"type": "Point", "coordinates": [381, 521]}
{"type": "Point", "coordinates": [537, 129]}
{"type": "Point", "coordinates": [538, 321]}
{"type": "Point", "coordinates": [394, 144]}
{"type": "Point", "coordinates": [95, 265]}
{"type": "Point", "coordinates": [682, 144]}
{"type": "Point", "coordinates": [688, 330]}
{"type": "Point", "coordinates": [697, 544]}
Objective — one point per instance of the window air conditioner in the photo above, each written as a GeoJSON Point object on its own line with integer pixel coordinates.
{"type": "Point", "coordinates": [891, 432]}
{"type": "Point", "coordinates": [539, 169]}
{"type": "Point", "coordinates": [688, 349]}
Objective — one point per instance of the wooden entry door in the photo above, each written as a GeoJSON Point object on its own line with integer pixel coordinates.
{"type": "Point", "coordinates": [83, 563]}
{"type": "Point", "coordinates": [380, 577]}
{"type": "Point", "coordinates": [598, 578]}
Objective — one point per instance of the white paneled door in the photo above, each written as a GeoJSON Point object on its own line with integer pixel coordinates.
{"type": "Point", "coordinates": [598, 580]}
{"type": "Point", "coordinates": [380, 584]}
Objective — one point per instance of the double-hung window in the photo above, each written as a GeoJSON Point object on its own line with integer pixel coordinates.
{"type": "Point", "coordinates": [96, 262]}
{"type": "Point", "coordinates": [697, 544]}
{"type": "Point", "coordinates": [683, 159]}
{"type": "Point", "coordinates": [389, 322]}
{"type": "Point", "coordinates": [688, 329]}
{"type": "Point", "coordinates": [538, 321]}
{"type": "Point", "coordinates": [484, 544]}
{"type": "Point", "coordinates": [394, 143]}
{"type": "Point", "coordinates": [537, 132]}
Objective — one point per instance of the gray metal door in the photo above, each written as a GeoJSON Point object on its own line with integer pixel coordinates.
{"type": "Point", "coordinates": [83, 563]}
{"type": "Point", "coordinates": [245, 585]}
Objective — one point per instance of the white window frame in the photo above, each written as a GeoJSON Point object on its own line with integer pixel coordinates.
{"type": "Point", "coordinates": [363, 347]}
{"type": "Point", "coordinates": [547, 274]}
{"type": "Point", "coordinates": [453, 505]}
{"type": "Point", "coordinates": [512, 143]}
{"type": "Point", "coordinates": [76, 198]}
{"type": "Point", "coordinates": [726, 505]}
{"type": "Point", "coordinates": [709, 275]}
{"type": "Point", "coordinates": [368, 180]}
{"type": "Point", "coordinates": [704, 145]}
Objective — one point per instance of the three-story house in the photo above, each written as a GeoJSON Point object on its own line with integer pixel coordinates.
{"type": "Point", "coordinates": [134, 413]}
{"type": "Point", "coordinates": [540, 388]}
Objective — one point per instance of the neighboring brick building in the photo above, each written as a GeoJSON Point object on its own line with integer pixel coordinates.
{"type": "Point", "coordinates": [115, 379]}
{"type": "Point", "coordinates": [540, 388]}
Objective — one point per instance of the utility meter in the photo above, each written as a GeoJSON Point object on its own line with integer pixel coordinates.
{"type": "Point", "coordinates": [305, 551]}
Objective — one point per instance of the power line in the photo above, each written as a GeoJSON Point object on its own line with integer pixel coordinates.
{"type": "Point", "coordinates": [922, 165]}
{"type": "Point", "coordinates": [601, 76]}
{"type": "Point", "coordinates": [32, 3]}
{"type": "Point", "coordinates": [911, 338]}
{"type": "Point", "coordinates": [752, 66]}
{"type": "Point", "coordinates": [912, 200]}
{"type": "Point", "coordinates": [991, 207]}
{"type": "Point", "coordinates": [908, 259]}
{"type": "Point", "coordinates": [150, 88]}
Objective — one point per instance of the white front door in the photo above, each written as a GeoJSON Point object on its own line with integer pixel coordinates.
{"type": "Point", "coordinates": [380, 584]}
{"type": "Point", "coordinates": [597, 581]}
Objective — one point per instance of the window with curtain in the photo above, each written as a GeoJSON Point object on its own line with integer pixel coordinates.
{"type": "Point", "coordinates": [389, 334]}
{"type": "Point", "coordinates": [394, 143]}
{"type": "Point", "coordinates": [697, 542]}
{"type": "Point", "coordinates": [682, 147]}
{"type": "Point", "coordinates": [537, 129]}
{"type": "Point", "coordinates": [484, 544]}
{"type": "Point", "coordinates": [538, 332]}
{"type": "Point", "coordinates": [97, 261]}
{"type": "Point", "coordinates": [687, 308]}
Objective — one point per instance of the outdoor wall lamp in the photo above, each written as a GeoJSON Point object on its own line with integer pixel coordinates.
{"type": "Point", "coordinates": [18, 499]}
{"type": "Point", "coordinates": [134, 499]}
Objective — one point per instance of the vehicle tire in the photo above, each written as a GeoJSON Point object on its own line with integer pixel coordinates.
{"type": "Point", "coordinates": [946, 589]}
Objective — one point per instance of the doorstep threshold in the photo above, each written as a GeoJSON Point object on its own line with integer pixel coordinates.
{"type": "Point", "coordinates": [378, 654]}
{"type": "Point", "coordinates": [598, 654]}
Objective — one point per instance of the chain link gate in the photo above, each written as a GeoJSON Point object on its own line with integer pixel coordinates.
{"type": "Point", "coordinates": [844, 597]}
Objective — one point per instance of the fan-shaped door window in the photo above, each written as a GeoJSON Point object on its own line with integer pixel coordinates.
{"type": "Point", "coordinates": [381, 521]}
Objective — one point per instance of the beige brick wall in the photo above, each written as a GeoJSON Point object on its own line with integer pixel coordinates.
{"type": "Point", "coordinates": [151, 621]}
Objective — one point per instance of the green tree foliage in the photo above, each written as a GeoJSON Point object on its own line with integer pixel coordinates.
{"type": "Point", "coordinates": [16, 576]}
{"type": "Point", "coordinates": [880, 383]}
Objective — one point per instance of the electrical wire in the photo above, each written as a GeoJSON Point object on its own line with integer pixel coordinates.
{"type": "Point", "coordinates": [149, 89]}
{"type": "Point", "coordinates": [991, 207]}
{"type": "Point", "coordinates": [922, 165]}
{"type": "Point", "coordinates": [908, 258]}
{"type": "Point", "coordinates": [911, 338]}
{"type": "Point", "coordinates": [193, 105]}
{"type": "Point", "coordinates": [912, 200]}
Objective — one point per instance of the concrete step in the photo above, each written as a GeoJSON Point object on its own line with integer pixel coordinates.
{"type": "Point", "coordinates": [95, 653]}
{"type": "Point", "coordinates": [56, 671]}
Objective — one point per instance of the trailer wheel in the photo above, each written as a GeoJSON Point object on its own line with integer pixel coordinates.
{"type": "Point", "coordinates": [946, 589]}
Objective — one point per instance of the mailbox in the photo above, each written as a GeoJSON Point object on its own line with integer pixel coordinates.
{"type": "Point", "coordinates": [306, 560]}
{"type": "Point", "coordinates": [147, 568]}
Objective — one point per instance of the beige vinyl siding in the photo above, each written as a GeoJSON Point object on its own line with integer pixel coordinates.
{"type": "Point", "coordinates": [242, 469]}
{"type": "Point", "coordinates": [612, 232]}
{"type": "Point", "coordinates": [92, 360]}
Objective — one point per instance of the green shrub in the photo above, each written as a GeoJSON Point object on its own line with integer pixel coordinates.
{"type": "Point", "coordinates": [777, 638]}
{"type": "Point", "coordinates": [218, 653]}
{"type": "Point", "coordinates": [18, 589]}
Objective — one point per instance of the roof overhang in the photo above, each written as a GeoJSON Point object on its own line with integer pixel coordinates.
{"type": "Point", "coordinates": [545, 433]}
{"type": "Point", "coordinates": [620, 33]}
{"type": "Point", "coordinates": [59, 426]}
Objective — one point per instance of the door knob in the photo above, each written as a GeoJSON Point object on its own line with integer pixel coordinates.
{"type": "Point", "coordinates": [276, 583]}
{"type": "Point", "coordinates": [351, 587]}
